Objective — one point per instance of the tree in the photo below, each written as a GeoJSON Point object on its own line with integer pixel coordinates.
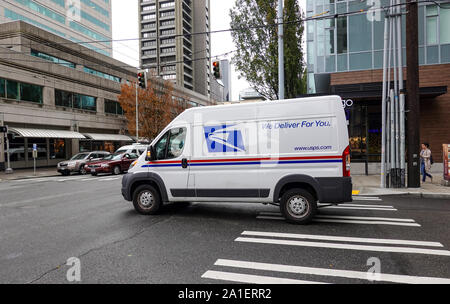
{"type": "Point", "coordinates": [158, 106]}
{"type": "Point", "coordinates": [257, 46]}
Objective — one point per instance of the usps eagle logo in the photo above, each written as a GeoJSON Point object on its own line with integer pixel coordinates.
{"type": "Point", "coordinates": [224, 139]}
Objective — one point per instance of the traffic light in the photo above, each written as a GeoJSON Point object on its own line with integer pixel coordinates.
{"type": "Point", "coordinates": [216, 69]}
{"type": "Point", "coordinates": [142, 79]}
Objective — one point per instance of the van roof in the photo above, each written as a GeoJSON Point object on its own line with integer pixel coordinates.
{"type": "Point", "coordinates": [243, 110]}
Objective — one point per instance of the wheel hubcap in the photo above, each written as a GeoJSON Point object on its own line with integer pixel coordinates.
{"type": "Point", "coordinates": [298, 206]}
{"type": "Point", "coordinates": [146, 199]}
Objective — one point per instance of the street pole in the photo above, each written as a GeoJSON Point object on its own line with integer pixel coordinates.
{"type": "Point", "coordinates": [383, 105]}
{"type": "Point", "coordinates": [401, 114]}
{"type": "Point", "coordinates": [280, 51]}
{"type": "Point", "coordinates": [137, 115]}
{"type": "Point", "coordinates": [9, 170]}
{"type": "Point", "coordinates": [412, 89]}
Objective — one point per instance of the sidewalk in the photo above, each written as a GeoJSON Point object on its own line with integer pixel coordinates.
{"type": "Point", "coordinates": [370, 186]}
{"type": "Point", "coordinates": [28, 173]}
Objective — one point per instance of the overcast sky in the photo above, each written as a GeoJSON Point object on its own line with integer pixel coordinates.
{"type": "Point", "coordinates": [126, 24]}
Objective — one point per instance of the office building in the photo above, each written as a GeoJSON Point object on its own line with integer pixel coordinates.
{"type": "Point", "coordinates": [167, 47]}
{"type": "Point", "coordinates": [61, 96]}
{"type": "Point", "coordinates": [74, 20]}
{"type": "Point", "coordinates": [345, 57]}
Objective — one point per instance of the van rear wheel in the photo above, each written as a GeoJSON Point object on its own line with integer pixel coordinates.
{"type": "Point", "coordinates": [298, 206]}
{"type": "Point", "coordinates": [146, 200]}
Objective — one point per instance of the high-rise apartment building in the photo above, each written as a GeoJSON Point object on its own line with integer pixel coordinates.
{"type": "Point", "coordinates": [74, 20]}
{"type": "Point", "coordinates": [168, 48]}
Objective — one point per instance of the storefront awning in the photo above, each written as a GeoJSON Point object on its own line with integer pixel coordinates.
{"type": "Point", "coordinates": [43, 133]}
{"type": "Point", "coordinates": [107, 137]}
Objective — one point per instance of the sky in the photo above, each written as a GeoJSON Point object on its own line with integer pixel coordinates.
{"type": "Point", "coordinates": [125, 25]}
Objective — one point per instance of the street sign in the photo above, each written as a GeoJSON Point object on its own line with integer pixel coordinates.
{"type": "Point", "coordinates": [3, 129]}
{"type": "Point", "coordinates": [34, 147]}
{"type": "Point", "coordinates": [446, 158]}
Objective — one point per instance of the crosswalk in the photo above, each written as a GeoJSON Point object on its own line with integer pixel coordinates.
{"type": "Point", "coordinates": [228, 267]}
{"type": "Point", "coordinates": [59, 179]}
{"type": "Point", "coordinates": [272, 272]}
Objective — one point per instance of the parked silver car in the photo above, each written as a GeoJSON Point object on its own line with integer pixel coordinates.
{"type": "Point", "coordinates": [78, 162]}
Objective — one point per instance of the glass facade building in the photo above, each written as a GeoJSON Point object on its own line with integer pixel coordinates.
{"type": "Point", "coordinates": [345, 57]}
{"type": "Point", "coordinates": [88, 21]}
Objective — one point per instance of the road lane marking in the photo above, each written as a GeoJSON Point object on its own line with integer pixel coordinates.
{"type": "Point", "coordinates": [277, 214]}
{"type": "Point", "coordinates": [345, 246]}
{"type": "Point", "coordinates": [253, 279]}
{"type": "Point", "coordinates": [341, 221]}
{"type": "Point", "coordinates": [360, 205]}
{"type": "Point", "coordinates": [342, 238]}
{"type": "Point", "coordinates": [362, 198]}
{"type": "Point", "coordinates": [355, 192]}
{"type": "Point", "coordinates": [362, 275]}
{"type": "Point", "coordinates": [109, 179]}
{"type": "Point", "coordinates": [360, 208]}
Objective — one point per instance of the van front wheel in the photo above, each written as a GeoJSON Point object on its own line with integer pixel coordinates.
{"type": "Point", "coordinates": [146, 200]}
{"type": "Point", "coordinates": [298, 206]}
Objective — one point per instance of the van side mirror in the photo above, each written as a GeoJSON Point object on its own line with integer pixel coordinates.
{"type": "Point", "coordinates": [151, 154]}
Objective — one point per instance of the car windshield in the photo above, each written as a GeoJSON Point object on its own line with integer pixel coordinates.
{"type": "Point", "coordinates": [120, 151]}
{"type": "Point", "coordinates": [113, 157]}
{"type": "Point", "coordinates": [80, 156]}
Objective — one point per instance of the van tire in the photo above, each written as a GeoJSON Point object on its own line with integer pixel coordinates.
{"type": "Point", "coordinates": [146, 195]}
{"type": "Point", "coordinates": [298, 206]}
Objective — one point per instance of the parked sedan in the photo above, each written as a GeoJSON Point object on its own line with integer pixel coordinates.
{"type": "Point", "coordinates": [78, 162]}
{"type": "Point", "coordinates": [114, 163]}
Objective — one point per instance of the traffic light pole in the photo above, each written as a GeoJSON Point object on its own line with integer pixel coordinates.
{"type": "Point", "coordinates": [137, 114]}
{"type": "Point", "coordinates": [412, 89]}
{"type": "Point", "coordinates": [280, 50]}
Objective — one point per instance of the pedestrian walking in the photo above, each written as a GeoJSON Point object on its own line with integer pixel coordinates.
{"type": "Point", "coordinates": [425, 162]}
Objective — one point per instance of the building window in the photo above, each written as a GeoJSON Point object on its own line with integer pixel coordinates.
{"type": "Point", "coordinates": [52, 59]}
{"type": "Point", "coordinates": [101, 74]}
{"type": "Point", "coordinates": [342, 35]}
{"type": "Point", "coordinates": [444, 25]}
{"type": "Point", "coordinates": [432, 24]}
{"type": "Point", "coordinates": [113, 107]}
{"type": "Point", "coordinates": [75, 100]}
{"type": "Point", "coordinates": [57, 149]}
{"type": "Point", "coordinates": [20, 91]}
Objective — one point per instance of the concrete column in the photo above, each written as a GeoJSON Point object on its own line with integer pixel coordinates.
{"type": "Point", "coordinates": [49, 96]}
{"type": "Point", "coordinates": [2, 146]}
{"type": "Point", "coordinates": [100, 105]}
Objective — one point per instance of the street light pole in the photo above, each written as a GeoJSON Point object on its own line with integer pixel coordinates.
{"type": "Point", "coordinates": [280, 50]}
{"type": "Point", "coordinates": [412, 90]}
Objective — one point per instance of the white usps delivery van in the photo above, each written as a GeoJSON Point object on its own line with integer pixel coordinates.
{"type": "Point", "coordinates": [292, 153]}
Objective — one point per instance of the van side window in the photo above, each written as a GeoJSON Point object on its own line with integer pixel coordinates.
{"type": "Point", "coordinates": [176, 143]}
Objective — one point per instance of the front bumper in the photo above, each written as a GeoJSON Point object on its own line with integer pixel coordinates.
{"type": "Point", "coordinates": [98, 170]}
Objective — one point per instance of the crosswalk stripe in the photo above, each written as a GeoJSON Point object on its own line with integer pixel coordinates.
{"type": "Point", "coordinates": [326, 220]}
{"type": "Point", "coordinates": [254, 279]}
{"type": "Point", "coordinates": [360, 205]}
{"type": "Point", "coordinates": [405, 279]}
{"type": "Point", "coordinates": [367, 222]}
{"type": "Point", "coordinates": [342, 238]}
{"type": "Point", "coordinates": [361, 208]}
{"type": "Point", "coordinates": [348, 217]}
{"type": "Point", "coordinates": [345, 246]}
{"type": "Point", "coordinates": [366, 198]}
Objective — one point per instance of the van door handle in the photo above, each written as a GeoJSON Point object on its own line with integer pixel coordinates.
{"type": "Point", "coordinates": [184, 163]}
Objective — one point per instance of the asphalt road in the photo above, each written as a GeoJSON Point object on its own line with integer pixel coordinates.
{"type": "Point", "coordinates": [44, 222]}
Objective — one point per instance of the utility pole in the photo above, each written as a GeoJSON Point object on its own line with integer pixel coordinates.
{"type": "Point", "coordinates": [280, 50]}
{"type": "Point", "coordinates": [412, 90]}
{"type": "Point", "coordinates": [137, 113]}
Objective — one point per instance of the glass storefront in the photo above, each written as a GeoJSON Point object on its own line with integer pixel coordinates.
{"type": "Point", "coordinates": [364, 128]}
